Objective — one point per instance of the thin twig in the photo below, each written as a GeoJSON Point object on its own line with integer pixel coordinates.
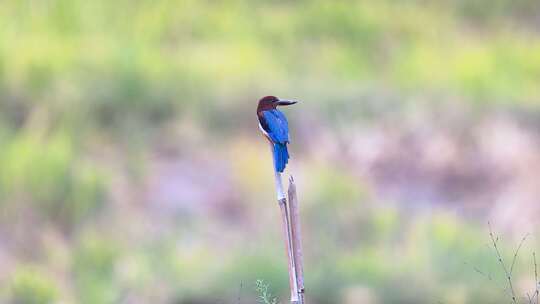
{"type": "Point", "coordinates": [239, 299]}
{"type": "Point", "coordinates": [517, 252]}
{"type": "Point", "coordinates": [488, 276]}
{"type": "Point", "coordinates": [535, 278]}
{"type": "Point", "coordinates": [499, 257]}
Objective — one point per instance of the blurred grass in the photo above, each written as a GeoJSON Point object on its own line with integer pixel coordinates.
{"type": "Point", "coordinates": [31, 287]}
{"type": "Point", "coordinates": [201, 52]}
{"type": "Point", "coordinates": [88, 89]}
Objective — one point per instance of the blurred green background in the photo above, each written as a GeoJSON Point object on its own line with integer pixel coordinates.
{"type": "Point", "coordinates": [132, 169]}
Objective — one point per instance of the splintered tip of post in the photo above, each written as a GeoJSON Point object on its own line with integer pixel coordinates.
{"type": "Point", "coordinates": [291, 181]}
{"type": "Point", "coordinates": [282, 201]}
{"type": "Point", "coordinates": [292, 186]}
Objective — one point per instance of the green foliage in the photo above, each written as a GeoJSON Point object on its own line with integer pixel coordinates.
{"type": "Point", "coordinates": [47, 173]}
{"type": "Point", "coordinates": [93, 267]}
{"type": "Point", "coordinates": [331, 186]}
{"type": "Point", "coordinates": [247, 268]}
{"type": "Point", "coordinates": [265, 296]}
{"type": "Point", "coordinates": [31, 287]}
{"type": "Point", "coordinates": [149, 62]}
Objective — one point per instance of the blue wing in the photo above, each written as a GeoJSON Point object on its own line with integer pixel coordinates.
{"type": "Point", "coordinates": [277, 126]}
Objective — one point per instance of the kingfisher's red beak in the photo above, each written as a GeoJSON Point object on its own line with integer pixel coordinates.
{"type": "Point", "coordinates": [283, 102]}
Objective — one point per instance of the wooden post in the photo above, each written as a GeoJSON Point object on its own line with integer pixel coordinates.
{"type": "Point", "coordinates": [293, 283]}
{"type": "Point", "coordinates": [290, 221]}
{"type": "Point", "coordinates": [294, 212]}
{"type": "Point", "coordinates": [286, 225]}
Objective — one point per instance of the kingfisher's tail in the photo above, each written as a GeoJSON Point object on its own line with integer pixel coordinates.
{"type": "Point", "coordinates": [281, 156]}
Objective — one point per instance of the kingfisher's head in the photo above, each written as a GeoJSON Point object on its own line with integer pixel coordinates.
{"type": "Point", "coordinates": [271, 102]}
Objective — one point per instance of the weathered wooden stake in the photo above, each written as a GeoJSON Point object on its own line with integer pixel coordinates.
{"type": "Point", "coordinates": [293, 283]}
{"type": "Point", "coordinates": [290, 221]}
{"type": "Point", "coordinates": [294, 212]}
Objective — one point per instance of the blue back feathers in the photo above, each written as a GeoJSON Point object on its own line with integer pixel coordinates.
{"type": "Point", "coordinates": [277, 127]}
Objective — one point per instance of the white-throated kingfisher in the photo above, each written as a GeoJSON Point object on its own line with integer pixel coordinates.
{"type": "Point", "coordinates": [275, 127]}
